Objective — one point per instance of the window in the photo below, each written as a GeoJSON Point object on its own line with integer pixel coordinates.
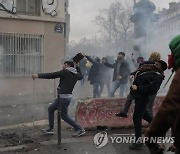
{"type": "Point", "coordinates": [21, 54]}
{"type": "Point", "coordinates": [28, 6]}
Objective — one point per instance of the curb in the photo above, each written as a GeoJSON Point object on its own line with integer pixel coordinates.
{"type": "Point", "coordinates": [19, 147]}
{"type": "Point", "coordinates": [29, 124]}
{"type": "Point", "coordinates": [48, 143]}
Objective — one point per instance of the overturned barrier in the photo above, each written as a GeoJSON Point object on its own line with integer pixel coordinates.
{"type": "Point", "coordinates": [101, 112]}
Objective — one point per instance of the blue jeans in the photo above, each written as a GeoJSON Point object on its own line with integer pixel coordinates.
{"type": "Point", "coordinates": [115, 85]}
{"type": "Point", "coordinates": [97, 89]}
{"type": "Point", "coordinates": [64, 113]}
{"type": "Point", "coordinates": [107, 83]}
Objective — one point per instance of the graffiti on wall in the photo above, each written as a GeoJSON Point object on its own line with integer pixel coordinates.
{"type": "Point", "coordinates": [8, 6]}
{"type": "Point", "coordinates": [50, 6]}
{"type": "Point", "coordinates": [101, 112]}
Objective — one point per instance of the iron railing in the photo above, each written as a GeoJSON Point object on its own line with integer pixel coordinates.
{"type": "Point", "coordinates": [21, 54]}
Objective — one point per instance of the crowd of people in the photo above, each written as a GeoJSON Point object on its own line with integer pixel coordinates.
{"type": "Point", "coordinates": [145, 81]}
{"type": "Point", "coordinates": [115, 74]}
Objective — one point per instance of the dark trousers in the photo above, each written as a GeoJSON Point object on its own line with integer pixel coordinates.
{"type": "Point", "coordinates": [149, 106]}
{"type": "Point", "coordinates": [140, 113]}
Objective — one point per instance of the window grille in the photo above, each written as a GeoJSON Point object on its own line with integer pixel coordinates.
{"type": "Point", "coordinates": [28, 6]}
{"type": "Point", "coordinates": [21, 54]}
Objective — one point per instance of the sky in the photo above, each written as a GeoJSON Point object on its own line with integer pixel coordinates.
{"type": "Point", "coordinates": [83, 12]}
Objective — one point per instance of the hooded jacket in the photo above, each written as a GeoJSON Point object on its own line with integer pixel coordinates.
{"type": "Point", "coordinates": [68, 78]}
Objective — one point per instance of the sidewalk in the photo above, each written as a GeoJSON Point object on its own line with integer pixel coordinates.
{"type": "Point", "coordinates": [28, 139]}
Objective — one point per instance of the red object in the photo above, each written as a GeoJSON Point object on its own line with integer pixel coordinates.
{"type": "Point", "coordinates": [171, 62]}
{"type": "Point", "coordinates": [101, 112]}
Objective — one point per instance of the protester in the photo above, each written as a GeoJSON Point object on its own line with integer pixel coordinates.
{"type": "Point", "coordinates": [168, 115]}
{"type": "Point", "coordinates": [96, 76]}
{"type": "Point", "coordinates": [82, 65]}
{"type": "Point", "coordinates": [153, 57]}
{"type": "Point", "coordinates": [147, 81]}
{"type": "Point", "coordinates": [68, 78]}
{"type": "Point", "coordinates": [120, 75]}
{"type": "Point", "coordinates": [106, 75]}
{"type": "Point", "coordinates": [137, 62]}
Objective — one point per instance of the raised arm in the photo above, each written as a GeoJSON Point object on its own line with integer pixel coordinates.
{"type": "Point", "coordinates": [110, 65]}
{"type": "Point", "coordinates": [90, 59]}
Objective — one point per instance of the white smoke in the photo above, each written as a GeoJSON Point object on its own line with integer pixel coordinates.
{"type": "Point", "coordinates": [1, 52]}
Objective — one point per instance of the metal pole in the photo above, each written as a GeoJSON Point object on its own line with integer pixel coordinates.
{"type": "Point", "coordinates": [55, 94]}
{"type": "Point", "coordinates": [33, 105]}
{"type": "Point", "coordinates": [59, 116]}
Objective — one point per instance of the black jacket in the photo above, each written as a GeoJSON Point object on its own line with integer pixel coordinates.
{"type": "Point", "coordinates": [67, 80]}
{"type": "Point", "coordinates": [96, 73]}
{"type": "Point", "coordinates": [148, 79]}
{"type": "Point", "coordinates": [148, 83]}
{"type": "Point", "coordinates": [124, 71]}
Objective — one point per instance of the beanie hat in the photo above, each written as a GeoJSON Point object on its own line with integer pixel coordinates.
{"type": "Point", "coordinates": [155, 56]}
{"type": "Point", "coordinates": [174, 46]}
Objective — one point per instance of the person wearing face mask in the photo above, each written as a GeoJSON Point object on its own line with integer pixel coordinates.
{"type": "Point", "coordinates": [120, 75]}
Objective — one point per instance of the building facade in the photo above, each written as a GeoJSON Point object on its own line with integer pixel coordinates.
{"type": "Point", "coordinates": [166, 28]}
{"type": "Point", "coordinates": [33, 36]}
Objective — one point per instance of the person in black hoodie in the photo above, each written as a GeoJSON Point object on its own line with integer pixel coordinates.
{"type": "Point", "coordinates": [147, 81]}
{"type": "Point", "coordinates": [68, 78]}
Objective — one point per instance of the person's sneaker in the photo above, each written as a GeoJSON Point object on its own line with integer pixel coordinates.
{"type": "Point", "coordinates": [79, 133]}
{"type": "Point", "coordinates": [48, 131]}
{"type": "Point", "coordinates": [136, 146]}
{"type": "Point", "coordinates": [121, 114]}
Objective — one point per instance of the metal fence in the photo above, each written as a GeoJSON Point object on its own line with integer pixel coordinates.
{"type": "Point", "coordinates": [21, 54]}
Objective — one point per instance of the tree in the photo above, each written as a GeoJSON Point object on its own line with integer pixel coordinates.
{"type": "Point", "coordinates": [114, 26]}
{"type": "Point", "coordinates": [88, 46]}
